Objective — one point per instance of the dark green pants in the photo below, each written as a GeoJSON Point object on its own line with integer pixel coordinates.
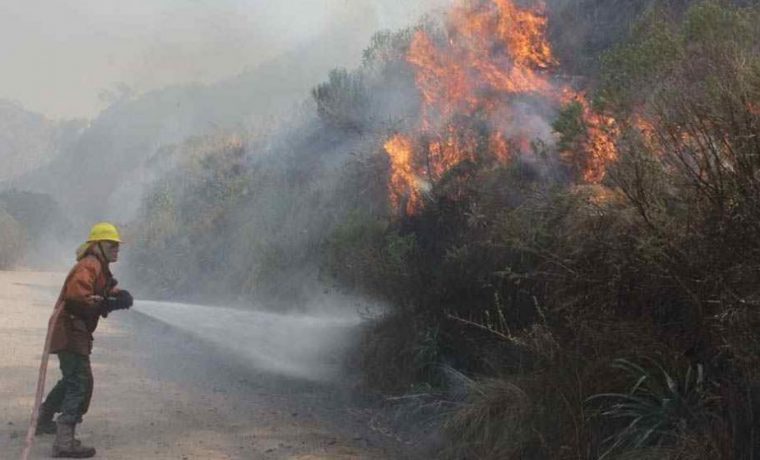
{"type": "Point", "coordinates": [71, 395]}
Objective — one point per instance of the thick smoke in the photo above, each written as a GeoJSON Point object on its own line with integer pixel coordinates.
{"type": "Point", "coordinates": [103, 172]}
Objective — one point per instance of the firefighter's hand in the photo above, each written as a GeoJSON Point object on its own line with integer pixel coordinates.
{"type": "Point", "coordinates": [120, 300]}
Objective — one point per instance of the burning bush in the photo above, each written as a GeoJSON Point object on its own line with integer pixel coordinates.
{"type": "Point", "coordinates": [628, 232]}
{"type": "Point", "coordinates": [528, 227]}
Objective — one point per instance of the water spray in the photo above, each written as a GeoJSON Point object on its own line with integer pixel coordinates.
{"type": "Point", "coordinates": [306, 346]}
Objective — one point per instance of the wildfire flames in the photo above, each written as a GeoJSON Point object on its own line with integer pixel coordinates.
{"type": "Point", "coordinates": [598, 149]}
{"type": "Point", "coordinates": [493, 58]}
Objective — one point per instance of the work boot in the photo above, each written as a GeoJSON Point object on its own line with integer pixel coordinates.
{"type": "Point", "coordinates": [65, 446]}
{"type": "Point", "coordinates": [45, 423]}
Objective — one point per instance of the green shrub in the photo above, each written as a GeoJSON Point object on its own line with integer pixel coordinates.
{"type": "Point", "coordinates": [342, 101]}
{"type": "Point", "coordinates": [659, 408]}
{"type": "Point", "coordinates": [400, 354]}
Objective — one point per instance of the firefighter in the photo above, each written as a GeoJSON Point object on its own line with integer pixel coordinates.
{"type": "Point", "coordinates": [89, 293]}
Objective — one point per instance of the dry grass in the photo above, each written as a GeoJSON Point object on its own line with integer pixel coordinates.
{"type": "Point", "coordinates": [495, 422]}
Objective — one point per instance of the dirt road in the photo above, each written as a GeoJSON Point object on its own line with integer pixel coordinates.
{"type": "Point", "coordinates": [161, 394]}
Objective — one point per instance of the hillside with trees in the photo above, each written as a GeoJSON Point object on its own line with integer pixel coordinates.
{"type": "Point", "coordinates": [29, 140]}
{"type": "Point", "coordinates": [565, 241]}
{"type": "Point", "coordinates": [115, 149]}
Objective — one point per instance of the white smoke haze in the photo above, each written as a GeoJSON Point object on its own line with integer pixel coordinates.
{"type": "Point", "coordinates": [525, 120]}
{"type": "Point", "coordinates": [148, 79]}
{"type": "Point", "coordinates": [61, 57]}
{"type": "Point", "coordinates": [169, 71]}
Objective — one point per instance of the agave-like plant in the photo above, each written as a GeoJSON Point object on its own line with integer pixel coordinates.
{"type": "Point", "coordinates": [657, 407]}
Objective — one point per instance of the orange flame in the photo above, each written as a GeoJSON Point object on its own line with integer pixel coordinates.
{"type": "Point", "coordinates": [492, 54]}
{"type": "Point", "coordinates": [599, 148]}
{"type": "Point", "coordinates": [494, 49]}
{"type": "Point", "coordinates": [404, 182]}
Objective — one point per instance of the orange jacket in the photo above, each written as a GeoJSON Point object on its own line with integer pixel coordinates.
{"type": "Point", "coordinates": [73, 328]}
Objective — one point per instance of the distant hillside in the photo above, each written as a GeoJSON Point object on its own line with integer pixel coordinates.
{"type": "Point", "coordinates": [29, 140]}
{"type": "Point", "coordinates": [101, 175]}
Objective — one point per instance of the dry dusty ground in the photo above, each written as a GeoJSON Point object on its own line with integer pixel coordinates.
{"type": "Point", "coordinates": [159, 395]}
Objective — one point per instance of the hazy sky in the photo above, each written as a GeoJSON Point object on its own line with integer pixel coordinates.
{"type": "Point", "coordinates": [60, 56]}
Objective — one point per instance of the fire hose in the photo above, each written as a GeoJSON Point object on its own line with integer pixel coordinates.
{"type": "Point", "coordinates": [43, 372]}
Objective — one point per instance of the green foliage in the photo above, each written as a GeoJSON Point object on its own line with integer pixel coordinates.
{"type": "Point", "coordinates": [710, 37]}
{"type": "Point", "coordinates": [353, 248]}
{"type": "Point", "coordinates": [583, 30]}
{"type": "Point", "coordinates": [711, 23]}
{"type": "Point", "coordinates": [181, 211]}
{"type": "Point", "coordinates": [387, 47]}
{"type": "Point", "coordinates": [398, 249]}
{"type": "Point", "coordinates": [401, 353]}
{"type": "Point", "coordinates": [570, 126]}
{"type": "Point", "coordinates": [629, 69]}
{"type": "Point", "coordinates": [343, 101]}
{"type": "Point", "coordinates": [364, 255]}
{"type": "Point", "coordinates": [368, 100]}
{"type": "Point", "coordinates": [658, 408]}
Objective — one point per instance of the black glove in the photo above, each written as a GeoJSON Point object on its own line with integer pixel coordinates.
{"type": "Point", "coordinates": [121, 301]}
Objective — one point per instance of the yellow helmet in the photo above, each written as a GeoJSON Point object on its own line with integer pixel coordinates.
{"type": "Point", "coordinates": [104, 231]}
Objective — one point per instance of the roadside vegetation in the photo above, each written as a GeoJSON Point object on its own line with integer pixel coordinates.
{"type": "Point", "coordinates": [552, 316]}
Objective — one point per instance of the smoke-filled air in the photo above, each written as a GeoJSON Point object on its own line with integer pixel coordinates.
{"type": "Point", "coordinates": [456, 229]}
